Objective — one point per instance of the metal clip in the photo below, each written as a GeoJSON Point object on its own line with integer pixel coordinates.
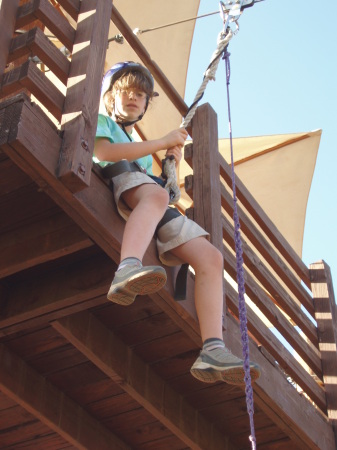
{"type": "Point", "coordinates": [231, 10]}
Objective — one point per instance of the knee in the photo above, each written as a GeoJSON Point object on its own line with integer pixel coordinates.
{"type": "Point", "coordinates": [216, 257]}
{"type": "Point", "coordinates": [160, 199]}
{"type": "Point", "coordinates": [213, 258]}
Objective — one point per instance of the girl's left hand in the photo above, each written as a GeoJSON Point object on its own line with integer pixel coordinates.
{"type": "Point", "coordinates": [176, 152]}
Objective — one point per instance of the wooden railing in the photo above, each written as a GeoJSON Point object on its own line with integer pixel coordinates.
{"type": "Point", "coordinates": [277, 282]}
{"type": "Point", "coordinates": [274, 275]}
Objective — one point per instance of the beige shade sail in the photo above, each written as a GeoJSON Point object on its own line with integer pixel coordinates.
{"type": "Point", "coordinates": [277, 170]}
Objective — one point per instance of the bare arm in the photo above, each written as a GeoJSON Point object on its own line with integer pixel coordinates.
{"type": "Point", "coordinates": [105, 151]}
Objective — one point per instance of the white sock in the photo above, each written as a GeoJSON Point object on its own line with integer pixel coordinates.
{"type": "Point", "coordinates": [213, 343]}
{"type": "Point", "coordinates": [130, 262]}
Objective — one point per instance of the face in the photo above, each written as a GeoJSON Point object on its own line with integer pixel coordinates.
{"type": "Point", "coordinates": [130, 103]}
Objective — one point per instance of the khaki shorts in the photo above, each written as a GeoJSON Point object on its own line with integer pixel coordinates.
{"type": "Point", "coordinates": [176, 232]}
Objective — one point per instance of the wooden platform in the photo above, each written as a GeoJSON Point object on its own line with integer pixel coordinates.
{"type": "Point", "coordinates": [77, 371]}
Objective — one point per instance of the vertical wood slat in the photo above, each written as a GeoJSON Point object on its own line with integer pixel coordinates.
{"type": "Point", "coordinates": [326, 317]}
{"type": "Point", "coordinates": [8, 12]}
{"type": "Point", "coordinates": [79, 119]}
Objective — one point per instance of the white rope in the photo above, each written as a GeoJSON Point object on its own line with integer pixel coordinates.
{"type": "Point", "coordinates": [172, 185]}
{"type": "Point", "coordinates": [223, 40]}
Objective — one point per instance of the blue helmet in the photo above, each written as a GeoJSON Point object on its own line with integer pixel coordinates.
{"type": "Point", "coordinates": [119, 69]}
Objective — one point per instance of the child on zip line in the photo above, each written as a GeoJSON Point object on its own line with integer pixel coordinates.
{"type": "Point", "coordinates": [128, 87]}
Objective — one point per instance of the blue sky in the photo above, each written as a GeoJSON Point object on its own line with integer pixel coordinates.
{"type": "Point", "coordinates": [283, 80]}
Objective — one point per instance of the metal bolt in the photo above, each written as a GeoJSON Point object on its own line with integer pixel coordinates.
{"type": "Point", "coordinates": [81, 169]}
{"type": "Point", "coordinates": [84, 144]}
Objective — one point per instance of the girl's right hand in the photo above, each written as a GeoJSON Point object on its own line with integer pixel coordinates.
{"type": "Point", "coordinates": [175, 138]}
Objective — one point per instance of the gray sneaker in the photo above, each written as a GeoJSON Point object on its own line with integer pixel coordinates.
{"type": "Point", "coordinates": [221, 365]}
{"type": "Point", "coordinates": [132, 280]}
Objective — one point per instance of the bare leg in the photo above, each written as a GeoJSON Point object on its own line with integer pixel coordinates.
{"type": "Point", "coordinates": [149, 203]}
{"type": "Point", "coordinates": [207, 263]}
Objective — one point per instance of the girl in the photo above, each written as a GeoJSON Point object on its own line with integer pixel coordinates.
{"type": "Point", "coordinates": [128, 88]}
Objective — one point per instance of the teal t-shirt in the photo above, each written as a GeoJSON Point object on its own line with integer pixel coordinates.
{"type": "Point", "coordinates": [107, 128]}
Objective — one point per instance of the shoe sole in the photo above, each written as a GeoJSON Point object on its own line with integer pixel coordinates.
{"type": "Point", "coordinates": [143, 284]}
{"type": "Point", "coordinates": [234, 375]}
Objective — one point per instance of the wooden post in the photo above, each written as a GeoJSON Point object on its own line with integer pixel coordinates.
{"type": "Point", "coordinates": [8, 12]}
{"type": "Point", "coordinates": [79, 119]}
{"type": "Point", "coordinates": [326, 317]}
{"type": "Point", "coordinates": [206, 175]}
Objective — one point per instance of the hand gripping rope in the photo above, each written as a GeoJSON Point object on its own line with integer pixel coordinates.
{"type": "Point", "coordinates": [229, 15]}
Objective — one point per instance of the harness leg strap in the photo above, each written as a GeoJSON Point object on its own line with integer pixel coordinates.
{"type": "Point", "coordinates": [181, 280]}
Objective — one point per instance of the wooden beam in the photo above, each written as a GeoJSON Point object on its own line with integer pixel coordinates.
{"type": "Point", "coordinates": [61, 291]}
{"type": "Point", "coordinates": [50, 17]}
{"type": "Point", "coordinates": [79, 120]}
{"type": "Point", "coordinates": [326, 317]}
{"type": "Point", "coordinates": [35, 43]}
{"type": "Point", "coordinates": [206, 191]}
{"type": "Point", "coordinates": [8, 12]}
{"type": "Point", "coordinates": [124, 367]}
{"type": "Point", "coordinates": [52, 407]}
{"type": "Point", "coordinates": [40, 242]}
{"type": "Point", "coordinates": [30, 77]}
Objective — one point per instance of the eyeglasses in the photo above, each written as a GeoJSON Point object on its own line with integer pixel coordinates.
{"type": "Point", "coordinates": [132, 92]}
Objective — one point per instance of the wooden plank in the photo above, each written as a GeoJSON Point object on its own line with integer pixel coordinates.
{"type": "Point", "coordinates": [35, 43]}
{"type": "Point", "coordinates": [12, 178]}
{"type": "Point", "coordinates": [29, 76]}
{"type": "Point", "coordinates": [293, 413]}
{"type": "Point", "coordinates": [59, 292]}
{"type": "Point", "coordinates": [283, 357]}
{"type": "Point", "coordinates": [268, 253]}
{"type": "Point", "coordinates": [279, 294]}
{"type": "Point", "coordinates": [326, 317]}
{"type": "Point", "coordinates": [72, 7]}
{"type": "Point", "coordinates": [80, 113]}
{"type": "Point", "coordinates": [40, 242]}
{"type": "Point", "coordinates": [143, 54]}
{"type": "Point", "coordinates": [50, 17]}
{"type": "Point", "coordinates": [262, 300]}
{"type": "Point", "coordinates": [8, 12]}
{"type": "Point", "coordinates": [51, 406]}
{"type": "Point", "coordinates": [124, 367]}
{"type": "Point", "coordinates": [92, 209]}
{"type": "Point", "coordinates": [265, 223]}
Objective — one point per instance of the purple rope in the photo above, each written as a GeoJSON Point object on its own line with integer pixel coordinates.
{"type": "Point", "coordinates": [240, 276]}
